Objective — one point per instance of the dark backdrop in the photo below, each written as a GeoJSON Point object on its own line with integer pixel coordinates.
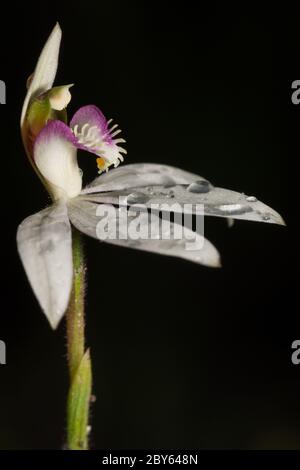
{"type": "Point", "coordinates": [183, 356]}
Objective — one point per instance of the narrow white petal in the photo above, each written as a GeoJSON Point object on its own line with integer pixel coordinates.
{"type": "Point", "coordinates": [83, 216]}
{"type": "Point", "coordinates": [45, 71]}
{"type": "Point", "coordinates": [218, 202]}
{"type": "Point", "coordinates": [140, 174]}
{"type": "Point", "coordinates": [160, 184]}
{"type": "Point", "coordinates": [45, 246]}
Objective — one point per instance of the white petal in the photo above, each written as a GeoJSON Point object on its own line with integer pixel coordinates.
{"type": "Point", "coordinates": [83, 216]}
{"type": "Point", "coordinates": [45, 246]}
{"type": "Point", "coordinates": [140, 174]}
{"type": "Point", "coordinates": [45, 71]}
{"type": "Point", "coordinates": [55, 156]}
{"type": "Point", "coordinates": [218, 202]}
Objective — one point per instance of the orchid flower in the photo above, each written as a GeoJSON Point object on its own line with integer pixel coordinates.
{"type": "Point", "coordinates": [45, 239]}
{"type": "Point", "coordinates": [48, 241]}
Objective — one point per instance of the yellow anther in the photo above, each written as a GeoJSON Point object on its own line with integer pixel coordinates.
{"type": "Point", "coordinates": [100, 163]}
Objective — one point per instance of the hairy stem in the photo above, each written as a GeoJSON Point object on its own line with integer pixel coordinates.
{"type": "Point", "coordinates": [78, 358]}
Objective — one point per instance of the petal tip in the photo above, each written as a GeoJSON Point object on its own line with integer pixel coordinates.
{"type": "Point", "coordinates": [216, 263]}
{"type": "Point", "coordinates": [54, 320]}
{"type": "Point", "coordinates": [57, 29]}
{"type": "Point", "coordinates": [282, 222]}
{"type": "Point", "coordinates": [275, 218]}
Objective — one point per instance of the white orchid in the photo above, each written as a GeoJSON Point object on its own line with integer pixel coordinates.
{"type": "Point", "coordinates": [45, 239]}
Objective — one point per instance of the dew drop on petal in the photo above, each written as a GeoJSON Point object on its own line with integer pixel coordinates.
{"type": "Point", "coordinates": [232, 209]}
{"type": "Point", "coordinates": [137, 198]}
{"type": "Point", "coordinates": [199, 187]}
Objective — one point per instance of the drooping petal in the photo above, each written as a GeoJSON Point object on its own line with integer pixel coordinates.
{"type": "Point", "coordinates": [45, 71]}
{"type": "Point", "coordinates": [212, 201]}
{"type": "Point", "coordinates": [83, 215]}
{"type": "Point", "coordinates": [140, 174]}
{"type": "Point", "coordinates": [55, 155]}
{"type": "Point", "coordinates": [92, 131]}
{"type": "Point", "coordinates": [45, 247]}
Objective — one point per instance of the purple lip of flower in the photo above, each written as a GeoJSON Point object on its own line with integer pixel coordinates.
{"type": "Point", "coordinates": [92, 130]}
{"type": "Point", "coordinates": [92, 115]}
{"type": "Point", "coordinates": [60, 130]}
{"type": "Point", "coordinates": [89, 131]}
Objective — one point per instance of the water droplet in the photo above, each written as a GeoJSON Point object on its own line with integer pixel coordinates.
{"type": "Point", "coordinates": [230, 222]}
{"type": "Point", "coordinates": [200, 186]}
{"type": "Point", "coordinates": [137, 198]}
{"type": "Point", "coordinates": [251, 199]}
{"type": "Point", "coordinates": [230, 209]}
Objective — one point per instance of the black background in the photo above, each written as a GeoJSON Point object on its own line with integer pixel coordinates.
{"type": "Point", "coordinates": [183, 356]}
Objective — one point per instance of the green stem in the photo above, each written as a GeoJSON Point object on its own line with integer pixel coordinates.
{"type": "Point", "coordinates": [79, 361]}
